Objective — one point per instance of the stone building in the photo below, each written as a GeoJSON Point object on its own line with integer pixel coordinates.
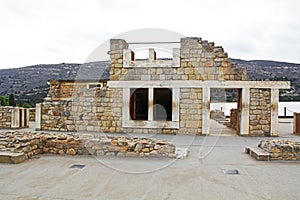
{"type": "Point", "coordinates": [160, 95]}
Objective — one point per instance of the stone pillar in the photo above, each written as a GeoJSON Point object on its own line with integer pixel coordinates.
{"type": "Point", "coordinates": [126, 57]}
{"type": "Point", "coordinates": [205, 110]}
{"type": "Point", "coordinates": [116, 55]}
{"type": "Point", "coordinates": [244, 123]}
{"type": "Point", "coordinates": [274, 112]}
{"type": "Point", "coordinates": [15, 118]}
{"type": "Point", "coordinates": [175, 100]}
{"type": "Point", "coordinates": [152, 55]}
{"type": "Point", "coordinates": [150, 104]}
{"type": "Point", "coordinates": [38, 116]}
{"type": "Point", "coordinates": [176, 57]}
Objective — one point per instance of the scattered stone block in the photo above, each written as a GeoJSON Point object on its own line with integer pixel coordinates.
{"type": "Point", "coordinates": [257, 153]}
{"type": "Point", "coordinates": [12, 157]}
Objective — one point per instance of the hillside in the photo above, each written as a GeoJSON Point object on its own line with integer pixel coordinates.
{"type": "Point", "coordinates": [29, 84]}
{"type": "Point", "coordinates": [274, 71]}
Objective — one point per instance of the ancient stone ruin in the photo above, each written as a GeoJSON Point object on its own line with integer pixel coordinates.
{"type": "Point", "coordinates": [271, 149]}
{"type": "Point", "coordinates": [170, 96]}
{"type": "Point", "coordinates": [14, 117]}
{"type": "Point", "coordinates": [16, 147]}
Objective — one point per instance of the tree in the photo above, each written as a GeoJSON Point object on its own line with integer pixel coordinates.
{"type": "Point", "coordinates": [11, 100]}
{"type": "Point", "coordinates": [26, 105]}
{"type": "Point", "coordinates": [4, 101]}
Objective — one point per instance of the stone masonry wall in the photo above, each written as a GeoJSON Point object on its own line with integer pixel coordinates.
{"type": "Point", "coordinates": [260, 112]}
{"type": "Point", "coordinates": [5, 117]}
{"type": "Point", "coordinates": [82, 109]}
{"type": "Point", "coordinates": [199, 60]}
{"type": "Point", "coordinates": [97, 110]}
{"type": "Point", "coordinates": [56, 116]}
{"type": "Point", "coordinates": [190, 111]}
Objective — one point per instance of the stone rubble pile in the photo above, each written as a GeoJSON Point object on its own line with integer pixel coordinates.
{"type": "Point", "coordinates": [281, 149]}
{"type": "Point", "coordinates": [28, 144]}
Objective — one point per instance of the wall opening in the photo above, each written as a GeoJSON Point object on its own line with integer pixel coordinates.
{"type": "Point", "coordinates": [222, 102]}
{"type": "Point", "coordinates": [162, 104]}
{"type": "Point", "coordinates": [139, 104]}
{"type": "Point", "coordinates": [25, 118]}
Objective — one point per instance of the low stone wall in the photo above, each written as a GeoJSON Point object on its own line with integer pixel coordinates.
{"type": "Point", "coordinates": [34, 143]}
{"type": "Point", "coordinates": [281, 149]}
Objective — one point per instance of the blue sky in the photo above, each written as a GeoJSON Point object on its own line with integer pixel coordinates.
{"type": "Point", "coordinates": [55, 31]}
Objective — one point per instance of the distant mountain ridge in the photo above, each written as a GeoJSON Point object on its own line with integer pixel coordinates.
{"type": "Point", "coordinates": [29, 84]}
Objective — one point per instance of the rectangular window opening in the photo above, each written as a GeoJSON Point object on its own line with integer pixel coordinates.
{"type": "Point", "coordinates": [139, 104]}
{"type": "Point", "coordinates": [162, 105]}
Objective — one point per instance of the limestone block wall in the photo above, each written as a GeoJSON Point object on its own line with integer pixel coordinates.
{"type": "Point", "coordinates": [260, 112]}
{"type": "Point", "coordinates": [79, 108]}
{"type": "Point", "coordinates": [190, 121]}
{"type": "Point", "coordinates": [98, 109]}
{"type": "Point", "coordinates": [199, 60]}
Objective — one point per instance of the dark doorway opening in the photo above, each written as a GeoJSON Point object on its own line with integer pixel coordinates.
{"type": "Point", "coordinates": [139, 104]}
{"type": "Point", "coordinates": [162, 104]}
{"type": "Point", "coordinates": [25, 118]}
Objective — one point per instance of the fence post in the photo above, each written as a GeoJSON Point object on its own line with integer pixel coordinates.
{"type": "Point", "coordinates": [296, 123]}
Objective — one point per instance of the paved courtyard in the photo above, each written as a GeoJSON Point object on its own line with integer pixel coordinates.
{"type": "Point", "coordinates": [199, 176]}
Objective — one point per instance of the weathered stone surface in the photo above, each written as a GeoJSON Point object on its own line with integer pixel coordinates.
{"type": "Point", "coordinates": [11, 157]}
{"type": "Point", "coordinates": [281, 149]}
{"type": "Point", "coordinates": [17, 146]}
{"type": "Point", "coordinates": [71, 151]}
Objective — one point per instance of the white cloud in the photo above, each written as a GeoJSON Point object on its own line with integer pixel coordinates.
{"type": "Point", "coordinates": [53, 31]}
